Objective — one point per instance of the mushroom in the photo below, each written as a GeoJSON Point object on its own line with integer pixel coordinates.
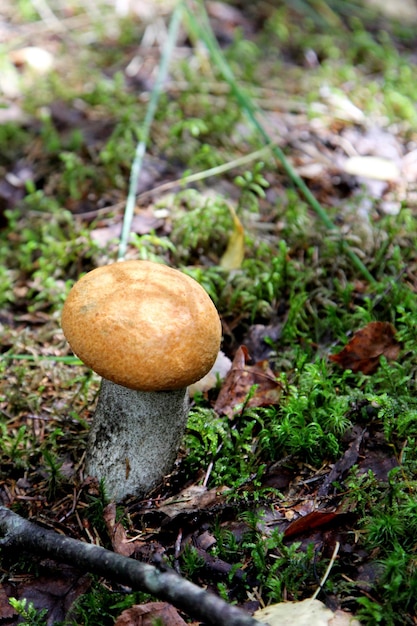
{"type": "Point", "coordinates": [149, 331]}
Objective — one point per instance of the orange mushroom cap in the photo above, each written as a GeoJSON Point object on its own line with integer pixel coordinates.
{"type": "Point", "coordinates": [142, 325]}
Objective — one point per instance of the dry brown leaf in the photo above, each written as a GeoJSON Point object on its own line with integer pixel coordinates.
{"type": "Point", "coordinates": [148, 614]}
{"type": "Point", "coordinates": [363, 352]}
{"type": "Point", "coordinates": [309, 522]}
{"type": "Point", "coordinates": [6, 609]}
{"type": "Point", "coordinates": [194, 498]}
{"type": "Point", "coordinates": [116, 532]}
{"type": "Point", "coordinates": [239, 381]}
{"type": "Point", "coordinates": [55, 591]}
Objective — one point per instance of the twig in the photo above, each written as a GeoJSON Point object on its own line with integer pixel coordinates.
{"type": "Point", "coordinates": [163, 583]}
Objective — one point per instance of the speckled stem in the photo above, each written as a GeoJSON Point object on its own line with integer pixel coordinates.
{"type": "Point", "coordinates": [135, 437]}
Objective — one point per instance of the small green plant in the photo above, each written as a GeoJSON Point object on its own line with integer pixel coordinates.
{"type": "Point", "coordinates": [102, 606]}
{"type": "Point", "coordinates": [253, 185]}
{"type": "Point", "coordinates": [387, 527]}
{"type": "Point", "coordinates": [191, 561]}
{"type": "Point", "coordinates": [76, 174]}
{"type": "Point", "coordinates": [95, 510]}
{"type": "Point", "coordinates": [45, 249]}
{"type": "Point", "coordinates": [13, 445]}
{"type": "Point", "coordinates": [53, 468]}
{"type": "Point", "coordinates": [30, 615]}
{"type": "Point", "coordinates": [309, 423]}
{"type": "Point", "coordinates": [201, 226]}
{"type": "Point", "coordinates": [277, 567]}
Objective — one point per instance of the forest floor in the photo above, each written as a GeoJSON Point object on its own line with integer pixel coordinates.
{"type": "Point", "coordinates": [281, 173]}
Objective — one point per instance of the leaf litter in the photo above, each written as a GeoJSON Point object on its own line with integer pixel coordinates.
{"type": "Point", "coordinates": [247, 385]}
{"type": "Point", "coordinates": [364, 350]}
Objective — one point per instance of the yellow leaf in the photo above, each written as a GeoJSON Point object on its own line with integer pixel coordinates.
{"type": "Point", "coordinates": [305, 613]}
{"type": "Point", "coordinates": [235, 251]}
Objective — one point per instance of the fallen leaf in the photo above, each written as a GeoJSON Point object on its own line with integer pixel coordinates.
{"type": "Point", "coordinates": [315, 519]}
{"type": "Point", "coordinates": [116, 532]}
{"type": "Point", "coordinates": [363, 352]}
{"type": "Point", "coordinates": [260, 338]}
{"type": "Point", "coordinates": [235, 251]}
{"type": "Point", "coordinates": [142, 224]}
{"type": "Point", "coordinates": [309, 612]}
{"type": "Point", "coordinates": [372, 167]}
{"type": "Point", "coordinates": [12, 112]}
{"type": "Point", "coordinates": [150, 614]}
{"type": "Point", "coordinates": [241, 379]}
{"type": "Point", "coordinates": [6, 609]}
{"type": "Point", "coordinates": [343, 618]}
{"type": "Point", "coordinates": [56, 590]}
{"type": "Point", "coordinates": [13, 185]}
{"type": "Point", "coordinates": [192, 499]}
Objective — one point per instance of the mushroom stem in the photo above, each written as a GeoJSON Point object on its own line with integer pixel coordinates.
{"type": "Point", "coordinates": [135, 437]}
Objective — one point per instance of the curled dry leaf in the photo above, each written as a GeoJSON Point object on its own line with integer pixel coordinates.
{"type": "Point", "coordinates": [116, 532]}
{"type": "Point", "coordinates": [150, 614]}
{"type": "Point", "coordinates": [363, 352]}
{"type": "Point", "coordinates": [239, 381]}
{"type": "Point", "coordinates": [192, 499]}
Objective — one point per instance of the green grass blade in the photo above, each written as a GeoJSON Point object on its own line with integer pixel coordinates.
{"type": "Point", "coordinates": [150, 114]}
{"type": "Point", "coordinates": [201, 28]}
{"type": "Point", "coordinates": [68, 360]}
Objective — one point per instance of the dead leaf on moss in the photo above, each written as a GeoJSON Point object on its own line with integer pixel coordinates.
{"type": "Point", "coordinates": [241, 379]}
{"type": "Point", "coordinates": [192, 499]}
{"type": "Point", "coordinates": [310, 522]}
{"type": "Point", "coordinates": [363, 352]}
{"type": "Point", "coordinates": [145, 222]}
{"type": "Point", "coordinates": [150, 614]}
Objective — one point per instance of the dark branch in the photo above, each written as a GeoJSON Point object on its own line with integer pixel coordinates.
{"type": "Point", "coordinates": [163, 584]}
